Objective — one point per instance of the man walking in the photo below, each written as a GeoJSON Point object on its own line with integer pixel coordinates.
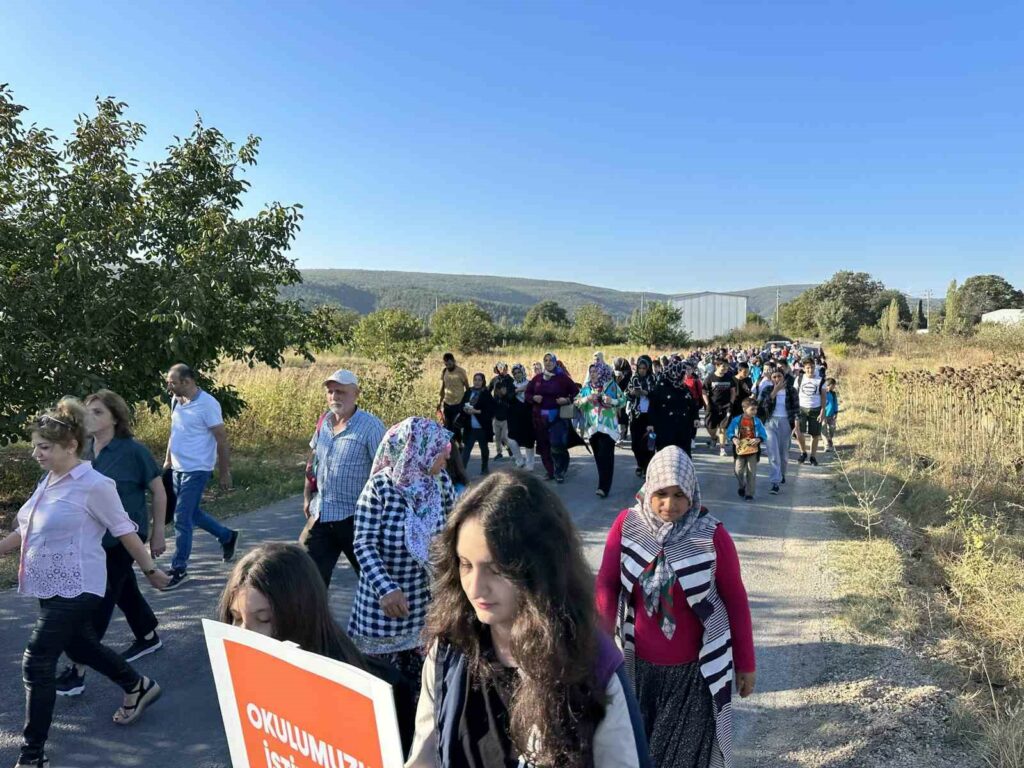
{"type": "Point", "coordinates": [343, 449]}
{"type": "Point", "coordinates": [198, 442]}
{"type": "Point", "coordinates": [454, 383]}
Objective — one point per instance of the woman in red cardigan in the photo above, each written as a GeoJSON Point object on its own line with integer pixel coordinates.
{"type": "Point", "coordinates": [670, 590]}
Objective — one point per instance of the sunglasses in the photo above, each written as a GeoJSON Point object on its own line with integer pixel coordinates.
{"type": "Point", "coordinates": [45, 419]}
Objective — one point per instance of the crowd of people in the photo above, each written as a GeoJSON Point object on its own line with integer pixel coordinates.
{"type": "Point", "coordinates": [474, 601]}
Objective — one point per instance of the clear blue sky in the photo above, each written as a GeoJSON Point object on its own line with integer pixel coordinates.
{"type": "Point", "coordinates": [652, 146]}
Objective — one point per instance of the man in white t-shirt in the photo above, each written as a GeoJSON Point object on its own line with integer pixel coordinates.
{"type": "Point", "coordinates": [811, 389]}
{"type": "Point", "coordinates": [198, 442]}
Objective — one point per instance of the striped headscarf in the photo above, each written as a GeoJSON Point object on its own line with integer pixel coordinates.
{"type": "Point", "coordinates": [670, 466]}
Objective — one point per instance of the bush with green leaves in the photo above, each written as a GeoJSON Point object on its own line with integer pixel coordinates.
{"type": "Point", "coordinates": [110, 273]}
{"type": "Point", "coordinates": [658, 325]}
{"type": "Point", "coordinates": [593, 325]}
{"type": "Point", "coordinates": [462, 326]}
{"type": "Point", "coordinates": [386, 333]}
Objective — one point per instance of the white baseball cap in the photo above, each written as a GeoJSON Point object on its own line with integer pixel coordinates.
{"type": "Point", "coordinates": [342, 376]}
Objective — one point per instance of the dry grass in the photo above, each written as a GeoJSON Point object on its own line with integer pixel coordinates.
{"type": "Point", "coordinates": [952, 412]}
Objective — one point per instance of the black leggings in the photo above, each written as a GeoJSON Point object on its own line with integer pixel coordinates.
{"type": "Point", "coordinates": [122, 592]}
{"type": "Point", "coordinates": [638, 434]}
{"type": "Point", "coordinates": [65, 624]}
{"type": "Point", "coordinates": [603, 447]}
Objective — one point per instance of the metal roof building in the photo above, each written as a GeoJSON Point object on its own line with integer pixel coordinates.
{"type": "Point", "coordinates": [1004, 316]}
{"type": "Point", "coordinates": [708, 314]}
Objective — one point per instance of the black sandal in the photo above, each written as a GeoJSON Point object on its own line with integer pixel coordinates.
{"type": "Point", "coordinates": [146, 692]}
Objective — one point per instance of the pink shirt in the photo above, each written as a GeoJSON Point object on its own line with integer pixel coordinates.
{"type": "Point", "coordinates": [684, 647]}
{"type": "Point", "coordinates": [62, 530]}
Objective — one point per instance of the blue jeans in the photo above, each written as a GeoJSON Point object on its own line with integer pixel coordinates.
{"type": "Point", "coordinates": [188, 486]}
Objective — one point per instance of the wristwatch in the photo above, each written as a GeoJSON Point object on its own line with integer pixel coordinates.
{"type": "Point", "coordinates": [150, 572]}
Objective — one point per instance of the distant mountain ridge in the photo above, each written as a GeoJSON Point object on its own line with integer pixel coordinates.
{"type": "Point", "coordinates": [507, 299]}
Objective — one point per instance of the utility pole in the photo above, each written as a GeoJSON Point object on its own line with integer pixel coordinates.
{"type": "Point", "coordinates": [928, 309]}
{"type": "Point", "coordinates": [642, 307]}
{"type": "Point", "coordinates": [778, 299]}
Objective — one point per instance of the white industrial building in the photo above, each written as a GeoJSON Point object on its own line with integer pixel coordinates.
{"type": "Point", "coordinates": [709, 314]}
{"type": "Point", "coordinates": [1004, 316]}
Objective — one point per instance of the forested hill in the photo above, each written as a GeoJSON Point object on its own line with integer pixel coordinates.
{"type": "Point", "coordinates": [507, 298]}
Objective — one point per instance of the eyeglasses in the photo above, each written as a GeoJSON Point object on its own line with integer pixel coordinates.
{"type": "Point", "coordinates": [44, 419]}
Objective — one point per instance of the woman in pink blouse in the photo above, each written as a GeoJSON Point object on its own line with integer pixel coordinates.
{"type": "Point", "coordinates": [63, 565]}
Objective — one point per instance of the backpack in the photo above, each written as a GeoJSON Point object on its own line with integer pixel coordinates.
{"type": "Point", "coordinates": [311, 463]}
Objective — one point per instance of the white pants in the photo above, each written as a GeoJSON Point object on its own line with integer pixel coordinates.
{"type": "Point", "coordinates": [779, 435]}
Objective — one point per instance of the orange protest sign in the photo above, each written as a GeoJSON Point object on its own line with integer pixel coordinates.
{"type": "Point", "coordinates": [286, 708]}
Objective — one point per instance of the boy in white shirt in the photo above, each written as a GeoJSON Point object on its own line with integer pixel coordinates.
{"type": "Point", "coordinates": [811, 389]}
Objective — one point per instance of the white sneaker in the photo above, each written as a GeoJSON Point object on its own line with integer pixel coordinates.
{"type": "Point", "coordinates": [721, 451]}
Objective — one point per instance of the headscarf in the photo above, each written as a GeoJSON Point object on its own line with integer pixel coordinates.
{"type": "Point", "coordinates": [501, 367]}
{"type": "Point", "coordinates": [670, 466]}
{"type": "Point", "coordinates": [406, 454]}
{"type": "Point", "coordinates": [518, 373]}
{"type": "Point", "coordinates": [674, 373]}
{"type": "Point", "coordinates": [646, 383]}
{"type": "Point", "coordinates": [558, 367]}
{"type": "Point", "coordinates": [605, 374]}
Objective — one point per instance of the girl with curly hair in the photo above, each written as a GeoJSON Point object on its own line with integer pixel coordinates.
{"type": "Point", "coordinates": [517, 672]}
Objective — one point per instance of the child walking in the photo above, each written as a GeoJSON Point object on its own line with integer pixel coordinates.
{"type": "Point", "coordinates": [746, 433]}
{"type": "Point", "coordinates": [831, 410]}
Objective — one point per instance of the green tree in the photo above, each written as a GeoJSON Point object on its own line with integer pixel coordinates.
{"type": "Point", "coordinates": [593, 325]}
{"type": "Point", "coordinates": [755, 319]}
{"type": "Point", "coordinates": [857, 292]}
{"type": "Point", "coordinates": [331, 326]}
{"type": "Point", "coordinates": [954, 323]}
{"type": "Point", "coordinates": [463, 326]}
{"type": "Point", "coordinates": [386, 333]}
{"type": "Point", "coordinates": [110, 274]}
{"type": "Point", "coordinates": [799, 316]}
{"type": "Point", "coordinates": [834, 322]}
{"type": "Point", "coordinates": [986, 293]}
{"type": "Point", "coordinates": [918, 322]}
{"type": "Point", "coordinates": [545, 313]}
{"type": "Point", "coordinates": [885, 298]}
{"type": "Point", "coordinates": [658, 326]}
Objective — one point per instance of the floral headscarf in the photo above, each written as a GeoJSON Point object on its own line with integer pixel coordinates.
{"type": "Point", "coordinates": [670, 466]}
{"type": "Point", "coordinates": [605, 374]}
{"type": "Point", "coordinates": [406, 454]}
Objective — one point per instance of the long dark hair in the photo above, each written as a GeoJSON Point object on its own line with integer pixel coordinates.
{"type": "Point", "coordinates": [554, 638]}
{"type": "Point", "coordinates": [287, 576]}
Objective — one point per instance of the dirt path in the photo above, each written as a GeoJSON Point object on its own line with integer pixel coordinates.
{"type": "Point", "coordinates": [823, 699]}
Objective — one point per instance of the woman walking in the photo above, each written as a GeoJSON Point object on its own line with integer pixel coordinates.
{"type": "Point", "coordinates": [673, 409]}
{"type": "Point", "coordinates": [780, 403]}
{"type": "Point", "coordinates": [115, 452]}
{"type": "Point", "coordinates": [477, 421]}
{"type": "Point", "coordinates": [669, 587]}
{"type": "Point", "coordinates": [599, 402]}
{"type": "Point", "coordinates": [60, 534]}
{"type": "Point", "coordinates": [518, 672]}
{"type": "Point", "coordinates": [520, 420]}
{"type": "Point", "coordinates": [550, 392]}
{"type": "Point", "coordinates": [403, 506]}
{"type": "Point", "coordinates": [640, 388]}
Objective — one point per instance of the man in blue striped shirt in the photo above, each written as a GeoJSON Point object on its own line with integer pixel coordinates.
{"type": "Point", "coordinates": [343, 449]}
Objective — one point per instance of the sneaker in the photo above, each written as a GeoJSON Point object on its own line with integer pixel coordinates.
{"type": "Point", "coordinates": [548, 476]}
{"type": "Point", "coordinates": [600, 493]}
{"type": "Point", "coordinates": [774, 491]}
{"type": "Point", "coordinates": [783, 479]}
{"type": "Point", "coordinates": [639, 472]}
{"type": "Point", "coordinates": [741, 491]}
{"type": "Point", "coordinates": [721, 451]}
{"type": "Point", "coordinates": [803, 457]}
{"type": "Point", "coordinates": [69, 683]}
{"type": "Point", "coordinates": [814, 461]}
{"type": "Point", "coordinates": [177, 578]}
{"type": "Point", "coordinates": [559, 479]}
{"type": "Point", "coordinates": [748, 498]}
{"type": "Point", "coordinates": [36, 762]}
{"type": "Point", "coordinates": [142, 647]}
{"type": "Point", "coordinates": [229, 548]}
{"type": "Point", "coordinates": [499, 457]}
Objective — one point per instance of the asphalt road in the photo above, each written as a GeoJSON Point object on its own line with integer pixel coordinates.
{"type": "Point", "coordinates": [780, 541]}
